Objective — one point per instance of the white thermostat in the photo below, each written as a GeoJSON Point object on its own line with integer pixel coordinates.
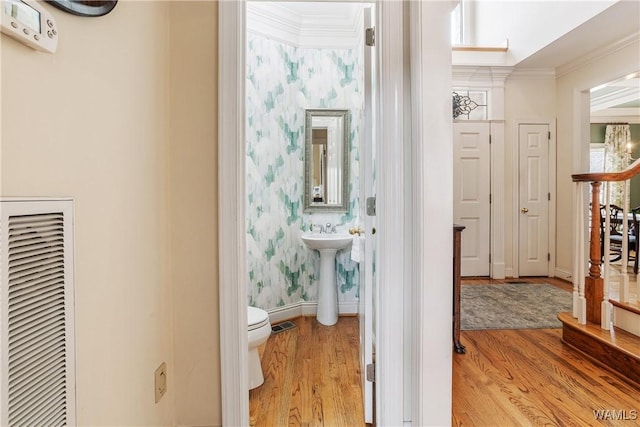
{"type": "Point", "coordinates": [30, 23]}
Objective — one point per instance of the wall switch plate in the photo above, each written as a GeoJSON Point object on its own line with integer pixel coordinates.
{"type": "Point", "coordinates": [161, 381]}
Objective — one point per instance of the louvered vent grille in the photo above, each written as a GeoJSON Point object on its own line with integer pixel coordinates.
{"type": "Point", "coordinates": [37, 347]}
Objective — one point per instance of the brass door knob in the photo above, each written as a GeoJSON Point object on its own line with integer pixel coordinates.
{"type": "Point", "coordinates": [356, 230]}
{"type": "Point", "coordinates": [524, 210]}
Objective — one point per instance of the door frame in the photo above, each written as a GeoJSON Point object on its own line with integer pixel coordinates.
{"type": "Point", "coordinates": [551, 268]}
{"type": "Point", "coordinates": [414, 130]}
{"type": "Point", "coordinates": [231, 205]}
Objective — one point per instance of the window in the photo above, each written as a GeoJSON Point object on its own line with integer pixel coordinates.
{"type": "Point", "coordinates": [461, 23]}
{"type": "Point", "coordinates": [596, 157]}
{"type": "Point", "coordinates": [470, 104]}
{"type": "Point", "coordinates": [456, 25]}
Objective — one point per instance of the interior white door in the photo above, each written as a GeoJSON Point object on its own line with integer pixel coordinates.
{"type": "Point", "coordinates": [368, 239]}
{"type": "Point", "coordinates": [471, 195]}
{"type": "Point", "coordinates": [533, 213]}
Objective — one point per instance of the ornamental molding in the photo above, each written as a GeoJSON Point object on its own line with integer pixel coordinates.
{"type": "Point", "coordinates": [317, 26]}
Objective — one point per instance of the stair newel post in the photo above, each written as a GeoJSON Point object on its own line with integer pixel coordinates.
{"type": "Point", "coordinates": [593, 282]}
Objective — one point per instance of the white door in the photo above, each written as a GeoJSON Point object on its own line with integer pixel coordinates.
{"type": "Point", "coordinates": [471, 195]}
{"type": "Point", "coordinates": [533, 213]}
{"type": "Point", "coordinates": [368, 223]}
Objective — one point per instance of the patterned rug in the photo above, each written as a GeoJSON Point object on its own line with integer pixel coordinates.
{"type": "Point", "coordinates": [512, 306]}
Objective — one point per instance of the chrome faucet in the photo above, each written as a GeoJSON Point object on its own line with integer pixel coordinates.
{"type": "Point", "coordinates": [320, 227]}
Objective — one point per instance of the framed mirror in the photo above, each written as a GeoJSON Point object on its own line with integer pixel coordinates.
{"type": "Point", "coordinates": [326, 161]}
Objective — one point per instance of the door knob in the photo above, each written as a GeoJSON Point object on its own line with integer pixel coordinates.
{"type": "Point", "coordinates": [524, 210]}
{"type": "Point", "coordinates": [356, 230]}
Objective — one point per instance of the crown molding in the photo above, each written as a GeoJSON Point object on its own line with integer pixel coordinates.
{"type": "Point", "coordinates": [479, 75]}
{"type": "Point", "coordinates": [628, 115]}
{"type": "Point", "coordinates": [533, 74]}
{"type": "Point", "coordinates": [314, 30]}
{"type": "Point", "coordinates": [598, 54]}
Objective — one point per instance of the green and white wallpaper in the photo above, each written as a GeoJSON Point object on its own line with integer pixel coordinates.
{"type": "Point", "coordinates": [283, 81]}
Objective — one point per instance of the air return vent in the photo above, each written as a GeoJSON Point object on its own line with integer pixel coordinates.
{"type": "Point", "coordinates": [37, 360]}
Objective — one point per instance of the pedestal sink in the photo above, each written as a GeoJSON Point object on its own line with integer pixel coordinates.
{"type": "Point", "coordinates": [327, 244]}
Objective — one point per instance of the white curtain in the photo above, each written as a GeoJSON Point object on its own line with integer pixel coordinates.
{"type": "Point", "coordinates": [617, 157]}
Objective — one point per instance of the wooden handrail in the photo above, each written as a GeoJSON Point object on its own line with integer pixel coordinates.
{"type": "Point", "coordinates": [632, 170]}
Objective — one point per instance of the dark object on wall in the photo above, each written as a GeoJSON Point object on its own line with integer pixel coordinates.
{"type": "Point", "coordinates": [85, 7]}
{"type": "Point", "coordinates": [457, 249]}
{"type": "Point", "coordinates": [462, 105]}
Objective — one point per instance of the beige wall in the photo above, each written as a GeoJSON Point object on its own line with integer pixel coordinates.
{"type": "Point", "coordinates": [94, 122]}
{"type": "Point", "coordinates": [574, 137]}
{"type": "Point", "coordinates": [194, 256]}
{"type": "Point", "coordinates": [530, 100]}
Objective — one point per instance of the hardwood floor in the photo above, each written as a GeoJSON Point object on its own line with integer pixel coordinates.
{"type": "Point", "coordinates": [312, 377]}
{"type": "Point", "coordinates": [528, 377]}
{"type": "Point", "coordinates": [506, 378]}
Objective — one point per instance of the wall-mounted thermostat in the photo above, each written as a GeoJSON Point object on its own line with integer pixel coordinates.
{"type": "Point", "coordinates": [30, 23]}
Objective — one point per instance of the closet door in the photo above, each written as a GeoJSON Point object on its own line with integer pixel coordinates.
{"type": "Point", "coordinates": [471, 192]}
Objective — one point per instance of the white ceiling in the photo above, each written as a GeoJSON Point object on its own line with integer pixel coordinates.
{"type": "Point", "coordinates": [617, 25]}
{"type": "Point", "coordinates": [310, 22]}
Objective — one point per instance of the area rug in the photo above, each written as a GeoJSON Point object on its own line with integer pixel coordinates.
{"type": "Point", "coordinates": [512, 306]}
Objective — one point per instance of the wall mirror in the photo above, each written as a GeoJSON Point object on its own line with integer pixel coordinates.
{"type": "Point", "coordinates": [326, 161]}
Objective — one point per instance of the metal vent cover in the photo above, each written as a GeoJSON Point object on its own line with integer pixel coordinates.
{"type": "Point", "coordinates": [36, 295]}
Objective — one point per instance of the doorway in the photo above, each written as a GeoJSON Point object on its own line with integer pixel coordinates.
{"type": "Point", "coordinates": [432, 178]}
{"type": "Point", "coordinates": [311, 60]}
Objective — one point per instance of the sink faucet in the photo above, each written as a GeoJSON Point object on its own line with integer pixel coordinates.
{"type": "Point", "coordinates": [329, 229]}
{"type": "Point", "coordinates": [320, 228]}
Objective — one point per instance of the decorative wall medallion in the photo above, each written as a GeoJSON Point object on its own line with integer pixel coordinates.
{"type": "Point", "coordinates": [85, 7]}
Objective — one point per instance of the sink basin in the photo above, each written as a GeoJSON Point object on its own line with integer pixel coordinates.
{"type": "Point", "coordinates": [327, 244]}
{"type": "Point", "coordinates": [321, 241]}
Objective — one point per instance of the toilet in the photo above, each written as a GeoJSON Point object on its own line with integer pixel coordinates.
{"type": "Point", "coordinates": [259, 331]}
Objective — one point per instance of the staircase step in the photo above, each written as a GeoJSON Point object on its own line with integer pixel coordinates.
{"type": "Point", "coordinates": [626, 316]}
{"type": "Point", "coordinates": [616, 349]}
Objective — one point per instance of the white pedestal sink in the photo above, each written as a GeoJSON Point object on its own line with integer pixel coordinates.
{"type": "Point", "coordinates": [327, 244]}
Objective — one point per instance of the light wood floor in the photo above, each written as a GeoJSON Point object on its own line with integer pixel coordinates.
{"type": "Point", "coordinates": [312, 377]}
{"type": "Point", "coordinates": [506, 378]}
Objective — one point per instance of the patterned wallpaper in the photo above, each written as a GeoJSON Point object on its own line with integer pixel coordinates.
{"type": "Point", "coordinates": [283, 81]}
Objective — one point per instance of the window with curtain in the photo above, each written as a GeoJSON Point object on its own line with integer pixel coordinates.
{"type": "Point", "coordinates": [617, 156]}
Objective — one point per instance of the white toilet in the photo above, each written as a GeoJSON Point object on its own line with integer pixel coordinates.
{"type": "Point", "coordinates": [259, 331]}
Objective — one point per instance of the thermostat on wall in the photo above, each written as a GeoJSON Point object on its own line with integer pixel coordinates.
{"type": "Point", "coordinates": [30, 23]}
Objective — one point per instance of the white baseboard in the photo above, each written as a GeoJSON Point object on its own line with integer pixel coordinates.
{"type": "Point", "coordinates": [304, 308]}
{"type": "Point", "coordinates": [498, 270]}
{"type": "Point", "coordinates": [508, 272]}
{"type": "Point", "coordinates": [563, 274]}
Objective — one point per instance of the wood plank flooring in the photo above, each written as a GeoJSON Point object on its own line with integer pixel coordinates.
{"type": "Point", "coordinates": [528, 377]}
{"type": "Point", "coordinates": [312, 377]}
{"type": "Point", "coordinates": [506, 378]}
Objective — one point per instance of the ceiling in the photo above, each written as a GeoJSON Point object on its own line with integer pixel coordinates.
{"type": "Point", "coordinates": [615, 101]}
{"type": "Point", "coordinates": [616, 25]}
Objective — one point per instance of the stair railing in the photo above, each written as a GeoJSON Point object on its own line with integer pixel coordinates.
{"type": "Point", "coordinates": [591, 292]}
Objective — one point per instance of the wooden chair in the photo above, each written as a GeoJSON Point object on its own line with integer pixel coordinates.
{"type": "Point", "coordinates": [616, 233]}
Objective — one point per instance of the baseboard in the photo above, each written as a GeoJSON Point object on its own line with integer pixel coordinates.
{"type": "Point", "coordinates": [508, 272]}
{"type": "Point", "coordinates": [286, 312]}
{"type": "Point", "coordinates": [498, 270]}
{"type": "Point", "coordinates": [304, 308]}
{"type": "Point", "coordinates": [563, 274]}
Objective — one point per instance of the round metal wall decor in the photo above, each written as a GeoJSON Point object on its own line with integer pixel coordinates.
{"type": "Point", "coordinates": [85, 7]}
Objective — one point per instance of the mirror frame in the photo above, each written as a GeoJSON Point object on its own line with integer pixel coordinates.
{"type": "Point", "coordinates": [308, 152]}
